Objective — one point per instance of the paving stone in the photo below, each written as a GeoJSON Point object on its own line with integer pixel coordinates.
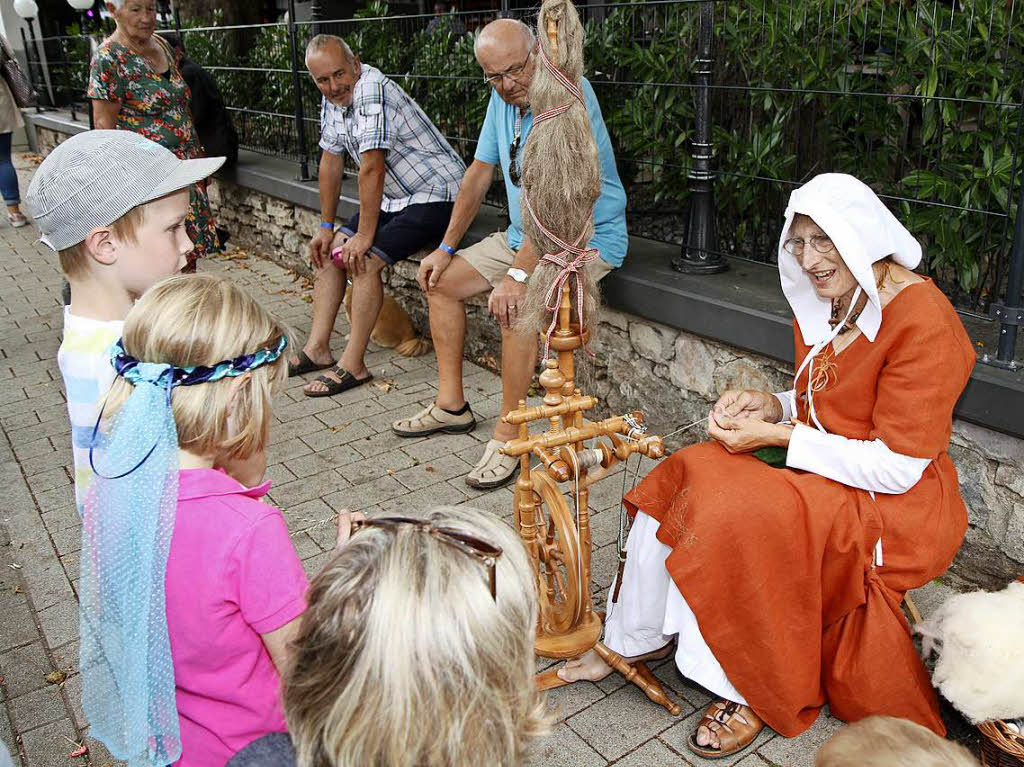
{"type": "Point", "coordinates": [47, 480]}
{"type": "Point", "coordinates": [432, 471]}
{"type": "Point", "coordinates": [285, 451]}
{"type": "Point", "coordinates": [36, 708]}
{"type": "Point", "coordinates": [67, 540]}
{"type": "Point", "coordinates": [59, 623]}
{"type": "Point", "coordinates": [800, 751]}
{"type": "Point", "coordinates": [441, 494]}
{"type": "Point", "coordinates": [367, 494]}
{"type": "Point", "coordinates": [17, 627]}
{"type": "Point", "coordinates": [278, 474]}
{"type": "Point", "coordinates": [23, 669]}
{"type": "Point", "coordinates": [7, 737]}
{"type": "Point", "coordinates": [385, 441]}
{"type": "Point", "coordinates": [314, 463]}
{"type": "Point", "coordinates": [298, 491]}
{"type": "Point", "coordinates": [362, 471]}
{"type": "Point", "coordinates": [324, 439]}
{"type": "Point", "coordinates": [49, 746]}
{"type": "Point", "coordinates": [617, 724]}
{"type": "Point", "coordinates": [563, 748]}
{"type": "Point", "coordinates": [444, 444]}
{"type": "Point", "coordinates": [566, 701]}
{"type": "Point", "coordinates": [653, 753]}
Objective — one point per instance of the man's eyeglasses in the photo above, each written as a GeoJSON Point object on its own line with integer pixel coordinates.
{"type": "Point", "coordinates": [485, 553]}
{"type": "Point", "coordinates": [512, 73]}
{"type": "Point", "coordinates": [820, 242]}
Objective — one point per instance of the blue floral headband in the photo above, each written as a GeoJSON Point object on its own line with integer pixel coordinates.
{"type": "Point", "coordinates": [166, 377]}
{"type": "Point", "coordinates": [127, 525]}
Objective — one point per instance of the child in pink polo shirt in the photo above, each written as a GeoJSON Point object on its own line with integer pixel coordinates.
{"type": "Point", "coordinates": [190, 586]}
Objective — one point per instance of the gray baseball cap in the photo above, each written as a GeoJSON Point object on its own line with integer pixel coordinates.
{"type": "Point", "coordinates": [94, 178]}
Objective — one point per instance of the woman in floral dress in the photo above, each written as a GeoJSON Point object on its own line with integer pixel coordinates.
{"type": "Point", "coordinates": [135, 84]}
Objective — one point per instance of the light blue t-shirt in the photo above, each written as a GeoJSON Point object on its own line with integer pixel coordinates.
{"type": "Point", "coordinates": [496, 136]}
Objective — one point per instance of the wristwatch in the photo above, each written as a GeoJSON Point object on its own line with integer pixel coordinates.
{"type": "Point", "coordinates": [518, 275]}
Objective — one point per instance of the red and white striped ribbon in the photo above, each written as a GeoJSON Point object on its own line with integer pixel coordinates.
{"type": "Point", "coordinates": [572, 258]}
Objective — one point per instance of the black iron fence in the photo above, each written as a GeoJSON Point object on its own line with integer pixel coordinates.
{"type": "Point", "coordinates": [717, 110]}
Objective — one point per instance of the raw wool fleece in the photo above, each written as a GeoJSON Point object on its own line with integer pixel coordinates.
{"type": "Point", "coordinates": [561, 176]}
{"type": "Point", "coordinates": [978, 639]}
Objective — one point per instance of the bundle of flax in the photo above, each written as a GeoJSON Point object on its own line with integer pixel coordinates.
{"type": "Point", "coordinates": [561, 176]}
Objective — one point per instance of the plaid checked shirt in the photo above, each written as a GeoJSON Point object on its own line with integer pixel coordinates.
{"type": "Point", "coordinates": [420, 165]}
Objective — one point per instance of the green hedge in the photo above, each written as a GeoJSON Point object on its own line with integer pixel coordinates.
{"type": "Point", "coordinates": [920, 100]}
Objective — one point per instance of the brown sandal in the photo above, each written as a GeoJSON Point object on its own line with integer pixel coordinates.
{"type": "Point", "coordinates": [736, 726]}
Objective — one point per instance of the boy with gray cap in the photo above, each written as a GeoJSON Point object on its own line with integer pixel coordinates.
{"type": "Point", "coordinates": [112, 204]}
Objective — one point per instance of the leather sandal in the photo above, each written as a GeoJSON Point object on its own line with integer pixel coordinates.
{"type": "Point", "coordinates": [433, 419]}
{"type": "Point", "coordinates": [494, 469]}
{"type": "Point", "coordinates": [306, 365]}
{"type": "Point", "coordinates": [736, 725]}
{"type": "Point", "coordinates": [331, 387]}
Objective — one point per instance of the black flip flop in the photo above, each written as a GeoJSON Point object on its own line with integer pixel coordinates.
{"type": "Point", "coordinates": [306, 365]}
{"type": "Point", "coordinates": [348, 381]}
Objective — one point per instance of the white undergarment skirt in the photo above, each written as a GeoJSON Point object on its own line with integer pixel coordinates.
{"type": "Point", "coordinates": [650, 610]}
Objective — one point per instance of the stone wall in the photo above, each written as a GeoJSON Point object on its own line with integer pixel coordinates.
{"type": "Point", "coordinates": [673, 376]}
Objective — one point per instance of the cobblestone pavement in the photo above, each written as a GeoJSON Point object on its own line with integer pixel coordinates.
{"type": "Point", "coordinates": [326, 454]}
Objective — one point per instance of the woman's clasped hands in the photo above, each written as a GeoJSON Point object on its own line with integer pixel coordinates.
{"type": "Point", "coordinates": [745, 420]}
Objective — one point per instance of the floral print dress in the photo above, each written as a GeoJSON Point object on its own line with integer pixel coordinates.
{"type": "Point", "coordinates": [156, 106]}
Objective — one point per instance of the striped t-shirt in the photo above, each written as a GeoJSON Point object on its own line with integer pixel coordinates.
{"type": "Point", "coordinates": [84, 361]}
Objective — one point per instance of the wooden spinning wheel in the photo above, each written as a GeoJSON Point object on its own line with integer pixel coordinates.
{"type": "Point", "coordinates": [558, 557]}
{"type": "Point", "coordinates": [558, 541]}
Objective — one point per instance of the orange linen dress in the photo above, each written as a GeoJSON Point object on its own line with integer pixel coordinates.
{"type": "Point", "coordinates": [778, 564]}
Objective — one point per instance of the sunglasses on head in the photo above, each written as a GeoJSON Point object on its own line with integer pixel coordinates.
{"type": "Point", "coordinates": [485, 553]}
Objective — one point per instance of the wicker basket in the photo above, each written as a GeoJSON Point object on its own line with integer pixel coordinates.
{"type": "Point", "coordinates": [1000, 746]}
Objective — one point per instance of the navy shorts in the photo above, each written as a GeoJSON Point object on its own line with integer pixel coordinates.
{"type": "Point", "coordinates": [407, 231]}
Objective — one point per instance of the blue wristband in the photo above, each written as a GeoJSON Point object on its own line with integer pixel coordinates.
{"type": "Point", "coordinates": [326, 225]}
{"type": "Point", "coordinates": [447, 249]}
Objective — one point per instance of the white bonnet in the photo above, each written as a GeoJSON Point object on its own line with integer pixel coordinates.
{"type": "Point", "coordinates": [862, 229]}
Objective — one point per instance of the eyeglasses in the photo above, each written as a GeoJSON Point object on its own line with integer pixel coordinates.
{"type": "Point", "coordinates": [485, 553]}
{"type": "Point", "coordinates": [512, 73]}
{"type": "Point", "coordinates": [820, 242]}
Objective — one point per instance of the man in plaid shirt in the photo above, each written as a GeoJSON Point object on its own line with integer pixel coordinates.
{"type": "Point", "coordinates": [409, 176]}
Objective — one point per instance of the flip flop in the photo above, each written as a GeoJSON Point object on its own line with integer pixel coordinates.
{"type": "Point", "coordinates": [306, 365]}
{"type": "Point", "coordinates": [348, 381]}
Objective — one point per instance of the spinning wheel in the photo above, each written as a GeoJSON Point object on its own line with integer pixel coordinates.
{"type": "Point", "coordinates": [559, 565]}
{"type": "Point", "coordinates": [558, 541]}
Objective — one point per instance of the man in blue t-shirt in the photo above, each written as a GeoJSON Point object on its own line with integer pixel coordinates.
{"type": "Point", "coordinates": [502, 262]}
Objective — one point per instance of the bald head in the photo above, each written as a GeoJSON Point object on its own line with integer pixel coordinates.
{"type": "Point", "coordinates": [504, 51]}
{"type": "Point", "coordinates": [504, 37]}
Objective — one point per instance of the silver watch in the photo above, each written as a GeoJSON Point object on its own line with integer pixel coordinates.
{"type": "Point", "coordinates": [518, 275]}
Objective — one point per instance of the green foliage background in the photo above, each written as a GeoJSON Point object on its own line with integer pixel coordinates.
{"type": "Point", "coordinates": [919, 99]}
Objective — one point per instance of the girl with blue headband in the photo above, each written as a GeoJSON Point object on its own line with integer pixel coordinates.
{"type": "Point", "coordinates": [190, 587]}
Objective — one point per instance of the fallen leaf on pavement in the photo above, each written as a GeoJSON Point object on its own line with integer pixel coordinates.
{"type": "Point", "coordinates": [55, 677]}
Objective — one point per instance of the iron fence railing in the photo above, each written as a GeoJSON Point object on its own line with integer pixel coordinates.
{"type": "Point", "coordinates": [717, 109]}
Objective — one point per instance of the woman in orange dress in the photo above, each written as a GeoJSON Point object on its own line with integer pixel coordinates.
{"type": "Point", "coordinates": [783, 585]}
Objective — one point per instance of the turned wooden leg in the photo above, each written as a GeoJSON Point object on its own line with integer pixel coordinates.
{"type": "Point", "coordinates": [643, 679]}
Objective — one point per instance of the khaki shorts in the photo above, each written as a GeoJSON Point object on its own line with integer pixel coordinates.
{"type": "Point", "coordinates": [492, 257]}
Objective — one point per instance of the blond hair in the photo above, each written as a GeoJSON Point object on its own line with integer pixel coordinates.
{"type": "Point", "coordinates": [74, 261]}
{"type": "Point", "coordinates": [203, 319]}
{"type": "Point", "coordinates": [884, 741]}
{"type": "Point", "coordinates": [403, 659]}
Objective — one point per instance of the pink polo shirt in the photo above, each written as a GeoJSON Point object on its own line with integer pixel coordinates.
{"type": "Point", "coordinates": [232, 574]}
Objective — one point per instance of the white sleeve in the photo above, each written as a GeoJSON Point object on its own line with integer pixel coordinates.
{"type": "Point", "coordinates": [858, 463]}
{"type": "Point", "coordinates": [788, 401]}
